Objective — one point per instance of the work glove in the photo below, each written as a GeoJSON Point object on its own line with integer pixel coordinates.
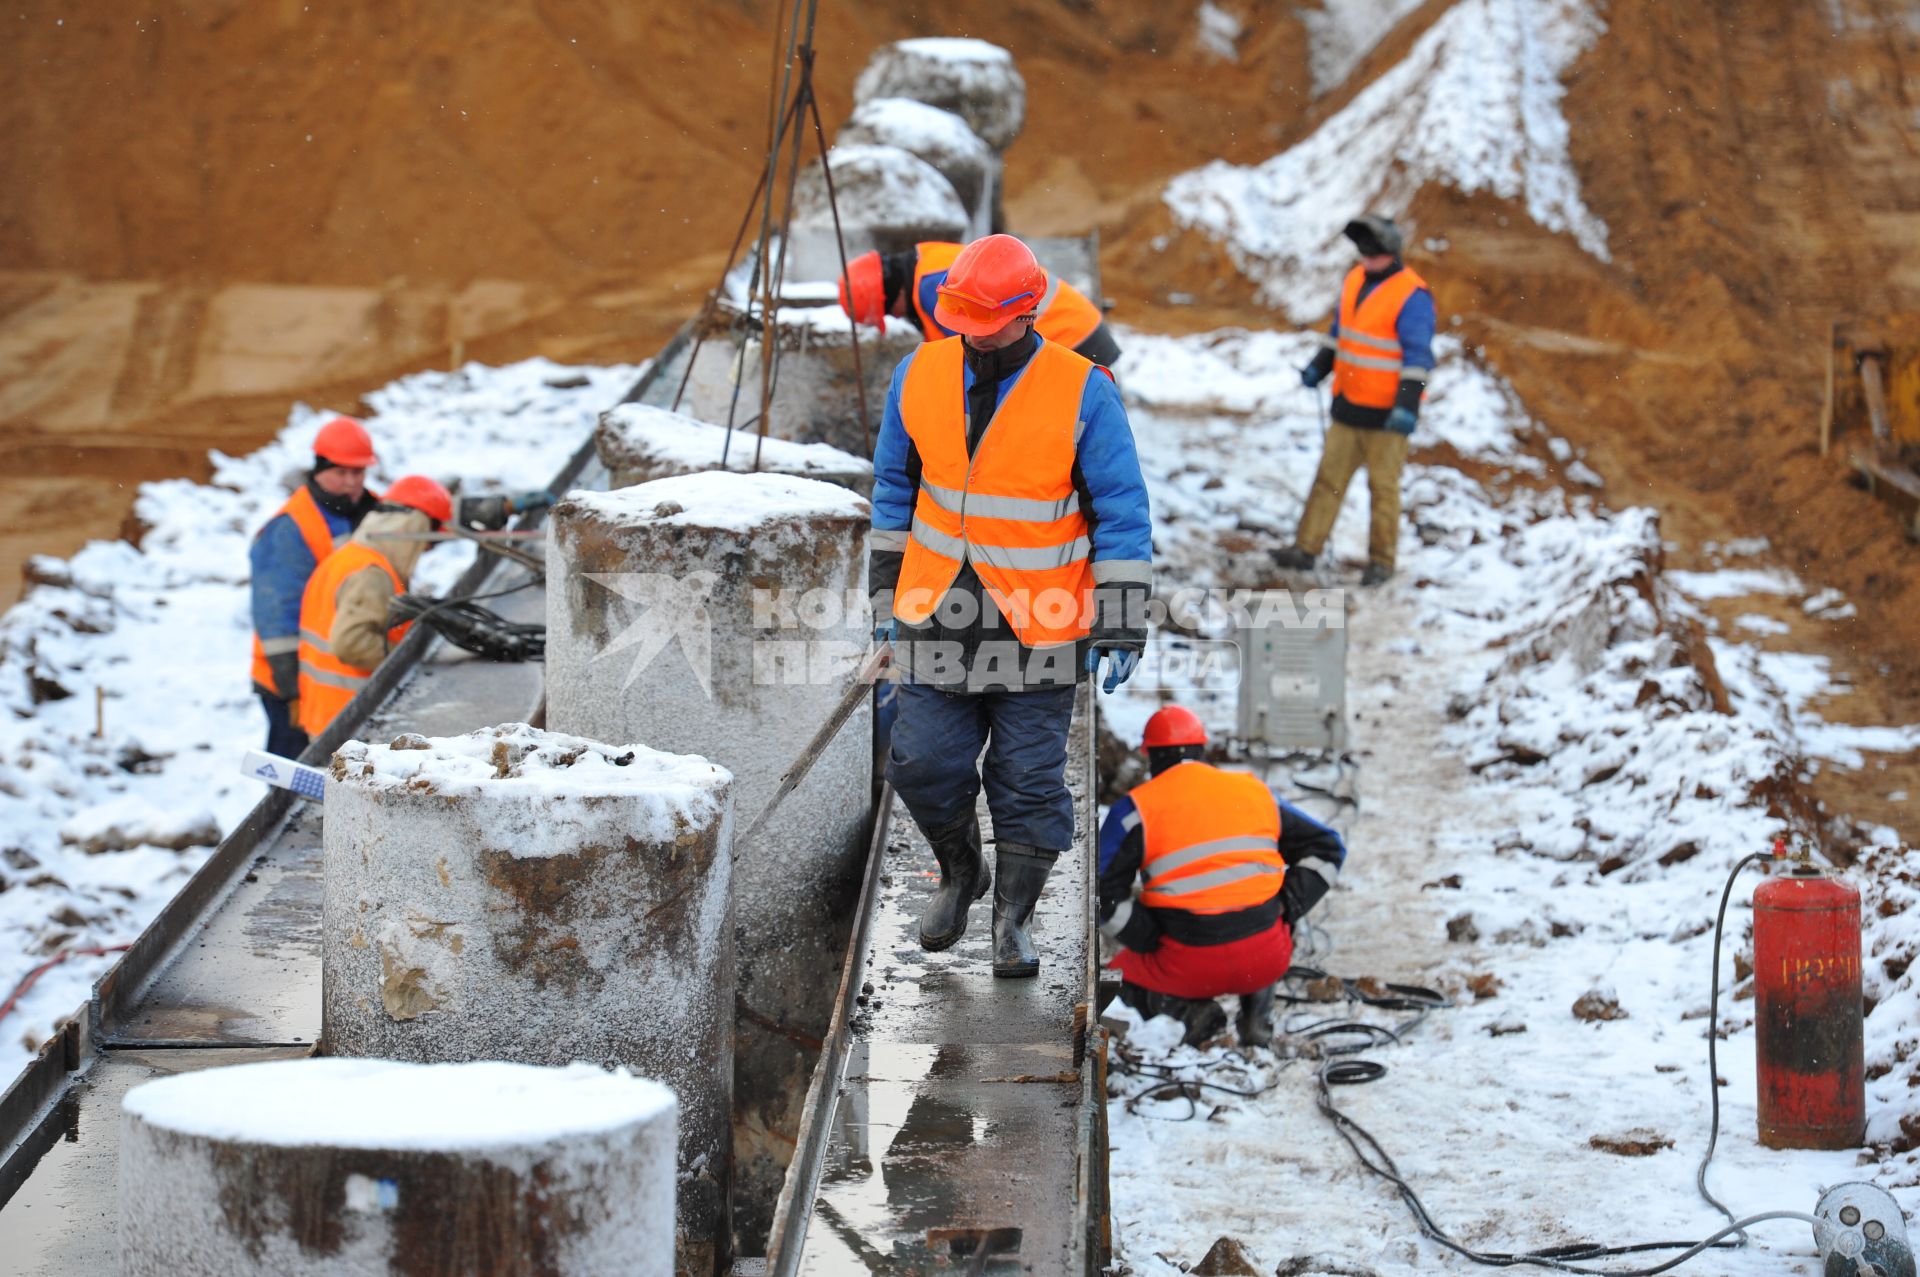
{"type": "Point", "coordinates": [1121, 662]}
{"type": "Point", "coordinates": [1312, 375]}
{"type": "Point", "coordinates": [529, 501]}
{"type": "Point", "coordinates": [293, 712]}
{"type": "Point", "coordinates": [1401, 421]}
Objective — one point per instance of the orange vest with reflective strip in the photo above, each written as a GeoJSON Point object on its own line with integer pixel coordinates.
{"type": "Point", "coordinates": [327, 683]}
{"type": "Point", "coordinates": [306, 516]}
{"type": "Point", "coordinates": [1366, 361]}
{"type": "Point", "coordinates": [1066, 315]}
{"type": "Point", "coordinates": [1010, 509]}
{"type": "Point", "coordinates": [1212, 840]}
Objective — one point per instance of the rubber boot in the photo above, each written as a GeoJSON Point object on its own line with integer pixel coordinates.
{"type": "Point", "coordinates": [963, 880]}
{"type": "Point", "coordinates": [1018, 876]}
{"type": "Point", "coordinates": [1203, 1019]}
{"type": "Point", "coordinates": [1254, 1024]}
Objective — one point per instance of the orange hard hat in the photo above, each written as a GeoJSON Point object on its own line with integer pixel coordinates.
{"type": "Point", "coordinates": [993, 282]}
{"type": "Point", "coordinates": [1174, 725]}
{"type": "Point", "coordinates": [863, 291]}
{"type": "Point", "coordinates": [423, 494]}
{"type": "Point", "coordinates": [345, 442]}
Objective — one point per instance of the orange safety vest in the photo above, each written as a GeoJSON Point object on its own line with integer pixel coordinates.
{"type": "Point", "coordinates": [1366, 360]}
{"type": "Point", "coordinates": [1011, 509]}
{"type": "Point", "coordinates": [306, 516]}
{"type": "Point", "coordinates": [1067, 316]}
{"type": "Point", "coordinates": [1212, 840]}
{"type": "Point", "coordinates": [327, 683]}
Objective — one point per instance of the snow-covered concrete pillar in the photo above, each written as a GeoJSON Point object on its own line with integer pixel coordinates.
{"type": "Point", "coordinates": [515, 894]}
{"type": "Point", "coordinates": [974, 80]}
{"type": "Point", "coordinates": [725, 614]}
{"type": "Point", "coordinates": [939, 137]}
{"type": "Point", "coordinates": [639, 442]}
{"type": "Point", "coordinates": [327, 1167]}
{"type": "Point", "coordinates": [888, 197]}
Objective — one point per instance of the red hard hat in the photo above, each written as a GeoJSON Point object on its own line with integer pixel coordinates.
{"type": "Point", "coordinates": [422, 494]}
{"type": "Point", "coordinates": [345, 442]}
{"type": "Point", "coordinates": [1173, 725]}
{"type": "Point", "coordinates": [863, 291]}
{"type": "Point", "coordinates": [993, 282]}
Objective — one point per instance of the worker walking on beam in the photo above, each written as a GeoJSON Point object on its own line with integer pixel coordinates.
{"type": "Point", "coordinates": [1379, 349]}
{"type": "Point", "coordinates": [1011, 556]}
{"type": "Point", "coordinates": [321, 514]}
{"type": "Point", "coordinates": [1225, 872]}
{"type": "Point", "coordinates": [907, 286]}
{"type": "Point", "coordinates": [344, 630]}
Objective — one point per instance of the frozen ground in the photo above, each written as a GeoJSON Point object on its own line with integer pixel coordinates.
{"type": "Point", "coordinates": [1551, 798]}
{"type": "Point", "coordinates": [125, 679]}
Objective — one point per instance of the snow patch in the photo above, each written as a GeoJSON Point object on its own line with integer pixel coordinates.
{"type": "Point", "coordinates": [723, 499]}
{"type": "Point", "coordinates": [1341, 33]}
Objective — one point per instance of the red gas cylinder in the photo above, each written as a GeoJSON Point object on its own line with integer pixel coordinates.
{"type": "Point", "coordinates": [1808, 1011]}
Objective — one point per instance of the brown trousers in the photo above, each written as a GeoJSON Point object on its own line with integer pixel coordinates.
{"type": "Point", "coordinates": [1349, 448]}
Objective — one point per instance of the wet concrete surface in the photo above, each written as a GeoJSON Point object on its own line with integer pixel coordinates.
{"type": "Point", "coordinates": [958, 1112]}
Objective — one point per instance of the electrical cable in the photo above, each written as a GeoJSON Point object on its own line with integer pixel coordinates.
{"type": "Point", "coordinates": [1713, 1042]}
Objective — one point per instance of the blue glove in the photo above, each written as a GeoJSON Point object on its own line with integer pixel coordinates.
{"type": "Point", "coordinates": [1401, 421]}
{"type": "Point", "coordinates": [1311, 376]}
{"type": "Point", "coordinates": [537, 499]}
{"type": "Point", "coordinates": [885, 631]}
{"type": "Point", "coordinates": [1121, 662]}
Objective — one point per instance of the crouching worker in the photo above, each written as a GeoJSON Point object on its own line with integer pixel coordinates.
{"type": "Point", "coordinates": [344, 629]}
{"type": "Point", "coordinates": [1225, 870]}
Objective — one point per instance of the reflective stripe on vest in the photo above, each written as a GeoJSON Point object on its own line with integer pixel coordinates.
{"type": "Point", "coordinates": [1066, 315]}
{"type": "Point", "coordinates": [306, 516]}
{"type": "Point", "coordinates": [1011, 509]}
{"type": "Point", "coordinates": [327, 683]}
{"type": "Point", "coordinates": [1366, 360]}
{"type": "Point", "coordinates": [1212, 840]}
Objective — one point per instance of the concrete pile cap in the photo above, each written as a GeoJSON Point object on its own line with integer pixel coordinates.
{"type": "Point", "coordinates": [937, 136]}
{"type": "Point", "coordinates": [975, 80]}
{"type": "Point", "coordinates": [883, 187]}
{"type": "Point", "coordinates": [633, 436]}
{"type": "Point", "coordinates": [394, 1106]}
{"type": "Point", "coordinates": [721, 500]}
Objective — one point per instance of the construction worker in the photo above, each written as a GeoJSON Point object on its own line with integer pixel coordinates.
{"type": "Point", "coordinates": [1011, 556]}
{"type": "Point", "coordinates": [344, 633]}
{"type": "Point", "coordinates": [907, 286]}
{"type": "Point", "coordinates": [1379, 349]}
{"type": "Point", "coordinates": [1226, 871]}
{"type": "Point", "coordinates": [320, 514]}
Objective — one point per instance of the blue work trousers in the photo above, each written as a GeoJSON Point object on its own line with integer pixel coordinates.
{"type": "Point", "coordinates": [935, 766]}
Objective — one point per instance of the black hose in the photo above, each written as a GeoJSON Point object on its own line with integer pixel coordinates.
{"type": "Point", "coordinates": [1713, 1043]}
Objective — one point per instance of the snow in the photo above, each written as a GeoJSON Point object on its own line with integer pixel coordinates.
{"type": "Point", "coordinates": [1734, 583]}
{"type": "Point", "coordinates": [1539, 744]}
{"type": "Point", "coordinates": [160, 634]}
{"type": "Point", "coordinates": [1341, 33]}
{"type": "Point", "coordinates": [1217, 31]}
{"type": "Point", "coordinates": [636, 436]}
{"type": "Point", "coordinates": [723, 499]}
{"type": "Point", "coordinates": [877, 186]}
{"type": "Point", "coordinates": [1475, 106]}
{"type": "Point", "coordinates": [389, 1105]}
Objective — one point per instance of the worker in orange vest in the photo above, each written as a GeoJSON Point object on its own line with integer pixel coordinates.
{"type": "Point", "coordinates": [320, 514]}
{"type": "Point", "coordinates": [344, 633]}
{"type": "Point", "coordinates": [1379, 349]}
{"type": "Point", "coordinates": [1012, 555]}
{"type": "Point", "coordinates": [1225, 872]}
{"type": "Point", "coordinates": [907, 286]}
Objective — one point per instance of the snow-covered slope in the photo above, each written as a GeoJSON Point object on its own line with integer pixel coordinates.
{"type": "Point", "coordinates": [1475, 106]}
{"type": "Point", "coordinates": [124, 676]}
{"type": "Point", "coordinates": [1341, 33]}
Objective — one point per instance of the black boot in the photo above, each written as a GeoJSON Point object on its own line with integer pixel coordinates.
{"type": "Point", "coordinates": [1255, 1021]}
{"type": "Point", "coordinates": [1202, 1018]}
{"type": "Point", "coordinates": [963, 880]}
{"type": "Point", "coordinates": [1018, 876]}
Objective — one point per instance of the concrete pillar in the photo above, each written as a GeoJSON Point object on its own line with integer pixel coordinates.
{"type": "Point", "coordinates": [515, 894]}
{"type": "Point", "coordinates": [889, 199]}
{"type": "Point", "coordinates": [639, 442]}
{"type": "Point", "coordinates": [325, 1168]}
{"type": "Point", "coordinates": [724, 613]}
{"type": "Point", "coordinates": [939, 137]}
{"type": "Point", "coordinates": [814, 399]}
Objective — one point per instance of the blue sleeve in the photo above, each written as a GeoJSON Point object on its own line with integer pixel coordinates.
{"type": "Point", "coordinates": [1123, 519]}
{"type": "Point", "coordinates": [929, 295]}
{"type": "Point", "coordinates": [892, 485]}
{"type": "Point", "coordinates": [1302, 838]}
{"type": "Point", "coordinates": [281, 565]}
{"type": "Point", "coordinates": [1114, 830]}
{"type": "Point", "coordinates": [1415, 328]}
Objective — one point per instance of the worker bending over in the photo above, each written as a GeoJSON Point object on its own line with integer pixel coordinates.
{"type": "Point", "coordinates": [320, 514]}
{"type": "Point", "coordinates": [1011, 555]}
{"type": "Point", "coordinates": [344, 633]}
{"type": "Point", "coordinates": [1225, 870]}
{"type": "Point", "coordinates": [907, 286]}
{"type": "Point", "coordinates": [1380, 352]}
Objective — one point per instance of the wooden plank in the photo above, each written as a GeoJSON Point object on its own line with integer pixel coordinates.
{"type": "Point", "coordinates": [1826, 409]}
